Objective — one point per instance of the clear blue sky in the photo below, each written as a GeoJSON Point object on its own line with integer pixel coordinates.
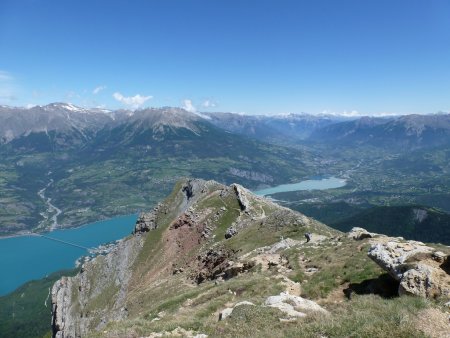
{"type": "Point", "coordinates": [372, 56]}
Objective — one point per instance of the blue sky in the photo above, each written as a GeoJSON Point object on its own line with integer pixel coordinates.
{"type": "Point", "coordinates": [252, 56]}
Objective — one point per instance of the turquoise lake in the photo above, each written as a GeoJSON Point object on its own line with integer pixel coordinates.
{"type": "Point", "coordinates": [25, 258]}
{"type": "Point", "coordinates": [319, 184]}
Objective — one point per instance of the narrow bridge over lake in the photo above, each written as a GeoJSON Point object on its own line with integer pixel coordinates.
{"type": "Point", "coordinates": [62, 241]}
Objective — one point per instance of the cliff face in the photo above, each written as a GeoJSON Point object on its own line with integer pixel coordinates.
{"type": "Point", "coordinates": [97, 294]}
{"type": "Point", "coordinates": [209, 252]}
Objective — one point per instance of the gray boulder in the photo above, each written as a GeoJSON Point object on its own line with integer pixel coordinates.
{"type": "Point", "coordinates": [293, 306]}
{"type": "Point", "coordinates": [231, 231]}
{"type": "Point", "coordinates": [145, 222]}
{"type": "Point", "coordinates": [241, 196]}
{"type": "Point", "coordinates": [359, 234]}
{"type": "Point", "coordinates": [419, 269]}
{"type": "Point", "coordinates": [229, 310]}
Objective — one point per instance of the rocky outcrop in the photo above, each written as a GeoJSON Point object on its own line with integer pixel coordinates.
{"type": "Point", "coordinates": [251, 175]}
{"type": "Point", "coordinates": [188, 189]}
{"type": "Point", "coordinates": [61, 296]}
{"type": "Point", "coordinates": [145, 222]}
{"type": "Point", "coordinates": [102, 280]}
{"type": "Point", "coordinates": [420, 215]}
{"type": "Point", "coordinates": [219, 264]}
{"type": "Point", "coordinates": [359, 234]}
{"type": "Point", "coordinates": [241, 196]}
{"type": "Point", "coordinates": [231, 231]}
{"type": "Point", "coordinates": [420, 269]}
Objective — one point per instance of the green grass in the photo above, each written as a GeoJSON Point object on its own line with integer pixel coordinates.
{"type": "Point", "coordinates": [365, 316]}
{"type": "Point", "coordinates": [336, 265]}
{"type": "Point", "coordinates": [227, 218]}
{"type": "Point", "coordinates": [105, 299]}
{"type": "Point", "coordinates": [194, 308]}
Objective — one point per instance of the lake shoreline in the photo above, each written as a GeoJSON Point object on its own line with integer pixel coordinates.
{"type": "Point", "coordinates": [47, 231]}
{"type": "Point", "coordinates": [27, 256]}
{"type": "Point", "coordinates": [323, 183]}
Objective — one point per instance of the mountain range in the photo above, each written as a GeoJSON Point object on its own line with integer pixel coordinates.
{"type": "Point", "coordinates": [68, 125]}
{"type": "Point", "coordinates": [95, 164]}
{"type": "Point", "coordinates": [407, 132]}
{"type": "Point", "coordinates": [98, 163]}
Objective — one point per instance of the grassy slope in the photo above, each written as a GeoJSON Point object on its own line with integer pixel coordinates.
{"type": "Point", "coordinates": [365, 316]}
{"type": "Point", "coordinates": [197, 307]}
{"type": "Point", "coordinates": [340, 263]}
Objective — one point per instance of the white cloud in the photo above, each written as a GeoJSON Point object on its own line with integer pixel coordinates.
{"type": "Point", "coordinates": [355, 113]}
{"type": "Point", "coordinates": [5, 76]}
{"type": "Point", "coordinates": [132, 101]}
{"type": "Point", "coordinates": [98, 89]}
{"type": "Point", "coordinates": [209, 104]}
{"type": "Point", "coordinates": [352, 113]}
{"type": "Point", "coordinates": [187, 105]}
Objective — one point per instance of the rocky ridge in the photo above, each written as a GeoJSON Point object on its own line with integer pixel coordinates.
{"type": "Point", "coordinates": [191, 250]}
{"type": "Point", "coordinates": [181, 267]}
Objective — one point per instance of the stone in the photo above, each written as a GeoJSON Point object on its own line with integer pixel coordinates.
{"type": "Point", "coordinates": [228, 311]}
{"type": "Point", "coordinates": [416, 282]}
{"type": "Point", "coordinates": [145, 222]}
{"type": "Point", "coordinates": [241, 196]}
{"type": "Point", "coordinates": [311, 270]}
{"type": "Point", "coordinates": [188, 189]}
{"type": "Point", "coordinates": [293, 306]}
{"type": "Point", "coordinates": [283, 245]}
{"type": "Point", "coordinates": [392, 258]}
{"type": "Point", "coordinates": [359, 234]}
{"type": "Point", "coordinates": [419, 269]}
{"type": "Point", "coordinates": [245, 302]}
{"type": "Point", "coordinates": [225, 313]}
{"type": "Point", "coordinates": [439, 256]}
{"type": "Point", "coordinates": [231, 231]}
{"type": "Point", "coordinates": [217, 263]}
